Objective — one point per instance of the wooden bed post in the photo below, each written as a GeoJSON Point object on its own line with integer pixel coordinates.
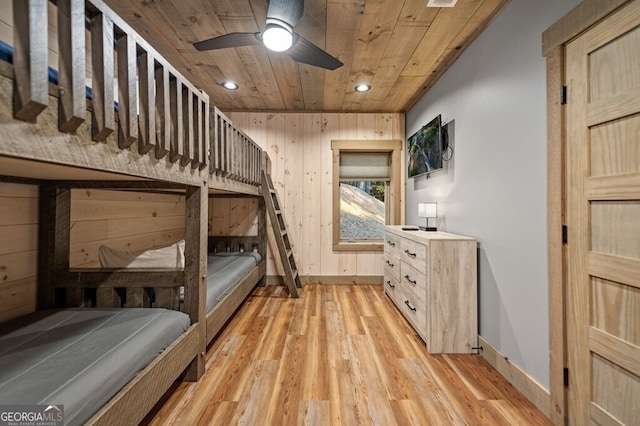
{"type": "Point", "coordinates": [53, 240]}
{"type": "Point", "coordinates": [195, 269]}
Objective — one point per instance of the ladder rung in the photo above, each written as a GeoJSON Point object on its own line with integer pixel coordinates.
{"type": "Point", "coordinates": [279, 212]}
{"type": "Point", "coordinates": [283, 232]}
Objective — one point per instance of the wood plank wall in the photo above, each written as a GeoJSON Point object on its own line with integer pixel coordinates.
{"type": "Point", "coordinates": [18, 249]}
{"type": "Point", "coordinates": [123, 220]}
{"type": "Point", "coordinates": [237, 216]}
{"type": "Point", "coordinates": [299, 145]}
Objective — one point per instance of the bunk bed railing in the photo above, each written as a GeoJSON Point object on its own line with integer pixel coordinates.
{"type": "Point", "coordinates": [156, 106]}
{"type": "Point", "coordinates": [232, 153]}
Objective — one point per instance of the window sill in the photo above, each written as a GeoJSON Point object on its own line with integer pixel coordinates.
{"type": "Point", "coordinates": [358, 246]}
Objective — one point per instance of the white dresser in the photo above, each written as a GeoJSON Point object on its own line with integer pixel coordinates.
{"type": "Point", "coordinates": [432, 278]}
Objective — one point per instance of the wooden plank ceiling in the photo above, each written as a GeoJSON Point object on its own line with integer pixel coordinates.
{"type": "Point", "coordinates": [399, 47]}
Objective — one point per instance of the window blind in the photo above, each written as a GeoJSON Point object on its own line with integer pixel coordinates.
{"type": "Point", "coordinates": [375, 166]}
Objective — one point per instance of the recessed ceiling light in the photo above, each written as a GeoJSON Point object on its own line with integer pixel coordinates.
{"type": "Point", "coordinates": [362, 87]}
{"type": "Point", "coordinates": [230, 85]}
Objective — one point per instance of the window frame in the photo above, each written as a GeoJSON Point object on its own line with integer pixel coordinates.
{"type": "Point", "coordinates": [392, 198]}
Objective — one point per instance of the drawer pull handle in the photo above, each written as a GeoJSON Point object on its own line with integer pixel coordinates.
{"type": "Point", "coordinates": [406, 277]}
{"type": "Point", "coordinates": [389, 263]}
{"type": "Point", "coordinates": [409, 253]}
{"type": "Point", "coordinates": [391, 243]}
{"type": "Point", "coordinates": [390, 285]}
{"type": "Point", "coordinates": [406, 302]}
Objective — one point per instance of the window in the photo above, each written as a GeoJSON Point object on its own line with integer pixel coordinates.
{"type": "Point", "coordinates": [366, 192]}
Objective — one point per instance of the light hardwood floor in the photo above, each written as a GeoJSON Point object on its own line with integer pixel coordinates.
{"type": "Point", "coordinates": [338, 355]}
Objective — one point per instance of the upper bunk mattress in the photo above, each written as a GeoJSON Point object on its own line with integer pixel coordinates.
{"type": "Point", "coordinates": [80, 358]}
{"type": "Point", "coordinates": [224, 271]}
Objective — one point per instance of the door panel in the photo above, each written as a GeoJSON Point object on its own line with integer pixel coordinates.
{"type": "Point", "coordinates": [614, 147]}
{"type": "Point", "coordinates": [603, 218]}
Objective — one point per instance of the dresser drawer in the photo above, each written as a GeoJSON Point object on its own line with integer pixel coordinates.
{"type": "Point", "coordinates": [415, 312]}
{"type": "Point", "coordinates": [392, 266]}
{"type": "Point", "coordinates": [413, 281]}
{"type": "Point", "coordinates": [392, 288]}
{"type": "Point", "coordinates": [392, 245]}
{"type": "Point", "coordinates": [415, 254]}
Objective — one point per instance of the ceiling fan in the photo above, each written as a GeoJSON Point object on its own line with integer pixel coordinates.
{"type": "Point", "coordinates": [278, 35]}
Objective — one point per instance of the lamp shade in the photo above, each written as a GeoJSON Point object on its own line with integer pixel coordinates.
{"type": "Point", "coordinates": [428, 210]}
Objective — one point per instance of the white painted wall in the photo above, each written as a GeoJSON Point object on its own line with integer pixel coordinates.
{"type": "Point", "coordinates": [494, 188]}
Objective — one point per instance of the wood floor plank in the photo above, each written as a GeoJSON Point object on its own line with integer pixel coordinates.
{"type": "Point", "coordinates": [338, 355]}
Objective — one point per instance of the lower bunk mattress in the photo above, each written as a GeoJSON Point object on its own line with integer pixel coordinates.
{"type": "Point", "coordinates": [224, 271]}
{"type": "Point", "coordinates": [80, 358]}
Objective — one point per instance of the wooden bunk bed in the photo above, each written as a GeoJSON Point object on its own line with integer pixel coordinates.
{"type": "Point", "coordinates": [155, 137]}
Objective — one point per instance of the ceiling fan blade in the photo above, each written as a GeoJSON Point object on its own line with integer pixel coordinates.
{"type": "Point", "coordinates": [289, 11]}
{"type": "Point", "coordinates": [229, 40]}
{"type": "Point", "coordinates": [308, 53]}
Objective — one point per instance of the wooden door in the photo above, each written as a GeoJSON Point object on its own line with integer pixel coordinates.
{"type": "Point", "coordinates": [603, 207]}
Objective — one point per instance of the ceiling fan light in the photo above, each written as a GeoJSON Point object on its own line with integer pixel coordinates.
{"type": "Point", "coordinates": [362, 87]}
{"type": "Point", "coordinates": [277, 38]}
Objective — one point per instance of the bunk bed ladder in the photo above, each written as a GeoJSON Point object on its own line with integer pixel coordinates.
{"type": "Point", "coordinates": [291, 277]}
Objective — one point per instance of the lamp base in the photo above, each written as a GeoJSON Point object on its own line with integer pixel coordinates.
{"type": "Point", "coordinates": [428, 228]}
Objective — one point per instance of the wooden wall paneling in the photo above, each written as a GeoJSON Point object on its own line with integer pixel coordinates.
{"type": "Point", "coordinates": [127, 91]}
{"type": "Point", "coordinates": [124, 220]}
{"type": "Point", "coordinates": [109, 209]}
{"type": "Point", "coordinates": [31, 86]}
{"type": "Point", "coordinates": [233, 216]}
{"type": "Point", "coordinates": [291, 195]}
{"type": "Point", "coordinates": [6, 21]}
{"type": "Point", "coordinates": [71, 65]}
{"type": "Point", "coordinates": [146, 106]}
{"type": "Point", "coordinates": [328, 259]}
{"type": "Point", "coordinates": [246, 214]}
{"type": "Point", "coordinates": [275, 148]}
{"type": "Point", "coordinates": [315, 132]}
{"type": "Point", "coordinates": [348, 130]}
{"type": "Point", "coordinates": [369, 263]}
{"type": "Point", "coordinates": [18, 249]}
{"type": "Point", "coordinates": [19, 266]}
{"type": "Point", "coordinates": [219, 216]}
{"type": "Point", "coordinates": [17, 297]}
{"type": "Point", "coordinates": [102, 74]}
{"type": "Point", "coordinates": [311, 229]}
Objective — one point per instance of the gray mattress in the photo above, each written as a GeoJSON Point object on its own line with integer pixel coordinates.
{"type": "Point", "coordinates": [80, 358]}
{"type": "Point", "coordinates": [224, 271]}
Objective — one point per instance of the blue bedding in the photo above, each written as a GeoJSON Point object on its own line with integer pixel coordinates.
{"type": "Point", "coordinates": [81, 358]}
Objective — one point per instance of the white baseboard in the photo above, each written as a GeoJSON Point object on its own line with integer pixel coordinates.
{"type": "Point", "coordinates": [532, 390]}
